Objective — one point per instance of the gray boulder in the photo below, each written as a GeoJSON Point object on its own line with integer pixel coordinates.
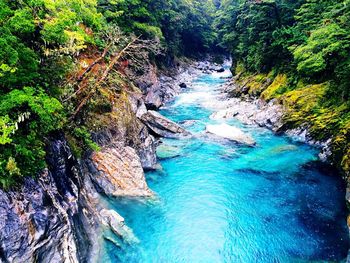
{"type": "Point", "coordinates": [153, 100]}
{"type": "Point", "coordinates": [162, 126]}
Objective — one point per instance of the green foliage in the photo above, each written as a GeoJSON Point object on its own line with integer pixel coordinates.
{"type": "Point", "coordinates": [184, 26]}
{"type": "Point", "coordinates": [38, 39]}
{"type": "Point", "coordinates": [307, 44]}
{"type": "Point", "coordinates": [325, 46]}
{"type": "Point", "coordinates": [13, 173]}
{"type": "Point", "coordinates": [26, 117]}
{"type": "Point", "coordinates": [84, 135]}
{"type": "Point", "coordinates": [6, 129]}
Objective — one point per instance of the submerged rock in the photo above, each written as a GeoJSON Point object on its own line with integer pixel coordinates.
{"type": "Point", "coordinates": [188, 123]}
{"type": "Point", "coordinates": [165, 151]}
{"type": "Point", "coordinates": [230, 132]}
{"type": "Point", "coordinates": [162, 126]}
{"type": "Point", "coordinates": [116, 222]}
{"type": "Point", "coordinates": [118, 172]}
{"type": "Point", "coordinates": [284, 148]}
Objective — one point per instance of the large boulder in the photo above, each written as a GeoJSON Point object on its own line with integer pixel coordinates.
{"type": "Point", "coordinates": [142, 141]}
{"type": "Point", "coordinates": [162, 126]}
{"type": "Point", "coordinates": [146, 150]}
{"type": "Point", "coordinates": [118, 171]}
{"type": "Point", "coordinates": [231, 133]}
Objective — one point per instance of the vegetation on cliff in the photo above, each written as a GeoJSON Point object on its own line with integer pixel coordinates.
{"type": "Point", "coordinates": [297, 52]}
{"type": "Point", "coordinates": [63, 62]}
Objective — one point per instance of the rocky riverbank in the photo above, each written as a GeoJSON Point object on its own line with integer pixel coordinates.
{"type": "Point", "coordinates": [60, 215]}
{"type": "Point", "coordinates": [238, 102]}
{"type": "Point", "coordinates": [235, 103]}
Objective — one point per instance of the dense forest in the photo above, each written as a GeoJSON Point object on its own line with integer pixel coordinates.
{"type": "Point", "coordinates": [49, 49]}
{"type": "Point", "coordinates": [299, 53]}
{"type": "Point", "coordinates": [48, 56]}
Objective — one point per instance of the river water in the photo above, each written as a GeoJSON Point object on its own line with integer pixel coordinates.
{"type": "Point", "coordinates": [217, 201]}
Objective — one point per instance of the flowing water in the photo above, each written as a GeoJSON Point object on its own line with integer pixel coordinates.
{"type": "Point", "coordinates": [218, 201]}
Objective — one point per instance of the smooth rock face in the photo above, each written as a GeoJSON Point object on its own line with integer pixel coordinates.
{"type": "Point", "coordinates": [162, 126]}
{"type": "Point", "coordinates": [119, 172]}
{"type": "Point", "coordinates": [230, 132]}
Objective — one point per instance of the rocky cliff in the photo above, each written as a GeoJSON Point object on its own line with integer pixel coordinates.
{"type": "Point", "coordinates": [60, 215]}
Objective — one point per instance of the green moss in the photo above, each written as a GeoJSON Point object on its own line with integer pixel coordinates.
{"type": "Point", "coordinates": [341, 147]}
{"type": "Point", "coordinates": [345, 164]}
{"type": "Point", "coordinates": [256, 84]}
{"type": "Point", "coordinates": [239, 68]}
{"type": "Point", "coordinates": [306, 104]}
{"type": "Point", "coordinates": [74, 145]}
{"type": "Point", "coordinates": [276, 88]}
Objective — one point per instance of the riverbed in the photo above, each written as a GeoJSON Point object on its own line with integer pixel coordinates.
{"type": "Point", "coordinates": [219, 201]}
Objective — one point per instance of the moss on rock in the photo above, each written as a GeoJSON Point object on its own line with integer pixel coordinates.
{"type": "Point", "coordinates": [306, 105]}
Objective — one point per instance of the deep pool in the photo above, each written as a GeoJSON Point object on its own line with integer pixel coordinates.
{"type": "Point", "coordinates": [222, 202]}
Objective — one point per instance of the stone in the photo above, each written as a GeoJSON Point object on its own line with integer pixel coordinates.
{"type": "Point", "coordinates": [162, 126]}
{"type": "Point", "coordinates": [116, 222]}
{"type": "Point", "coordinates": [137, 104]}
{"type": "Point", "coordinates": [42, 221]}
{"type": "Point", "coordinates": [165, 151]}
{"type": "Point", "coordinates": [188, 123]}
{"type": "Point", "coordinates": [147, 150]}
{"type": "Point", "coordinates": [231, 133]}
{"type": "Point", "coordinates": [153, 100]}
{"type": "Point", "coordinates": [284, 148]}
{"type": "Point", "coordinates": [250, 112]}
{"type": "Point", "coordinates": [183, 85]}
{"type": "Point", "coordinates": [119, 172]}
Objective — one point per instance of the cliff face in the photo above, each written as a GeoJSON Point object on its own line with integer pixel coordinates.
{"type": "Point", "coordinates": [60, 215]}
{"type": "Point", "coordinates": [52, 219]}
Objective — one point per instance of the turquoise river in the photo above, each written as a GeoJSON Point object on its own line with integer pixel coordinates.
{"type": "Point", "coordinates": [217, 201]}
